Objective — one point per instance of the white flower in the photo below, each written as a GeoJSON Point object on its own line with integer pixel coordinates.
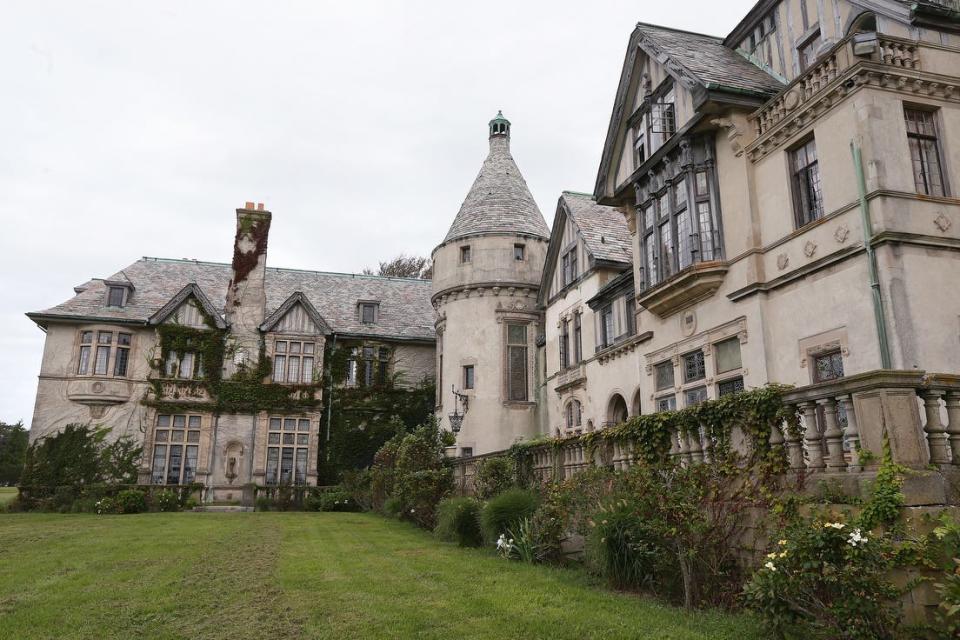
{"type": "Point", "coordinates": [413, 510]}
{"type": "Point", "coordinates": [502, 542]}
{"type": "Point", "coordinates": [834, 525]}
{"type": "Point", "coordinates": [771, 566]}
{"type": "Point", "coordinates": [771, 556]}
{"type": "Point", "coordinates": [856, 539]}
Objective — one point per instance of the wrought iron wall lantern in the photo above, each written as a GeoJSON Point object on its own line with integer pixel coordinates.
{"type": "Point", "coordinates": [456, 418]}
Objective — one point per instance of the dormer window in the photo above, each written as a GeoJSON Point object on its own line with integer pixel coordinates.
{"type": "Point", "coordinates": [464, 254]}
{"type": "Point", "coordinates": [115, 296]}
{"type": "Point", "coordinates": [368, 312]}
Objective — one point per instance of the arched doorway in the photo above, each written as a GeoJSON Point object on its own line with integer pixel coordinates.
{"type": "Point", "coordinates": [616, 410]}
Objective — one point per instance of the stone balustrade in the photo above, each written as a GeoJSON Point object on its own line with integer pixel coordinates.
{"type": "Point", "coordinates": [821, 79]}
{"type": "Point", "coordinates": [918, 413]}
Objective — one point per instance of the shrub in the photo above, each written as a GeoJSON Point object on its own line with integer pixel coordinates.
{"type": "Point", "coordinates": [494, 476]}
{"type": "Point", "coordinates": [166, 500]}
{"type": "Point", "coordinates": [131, 501]}
{"type": "Point", "coordinates": [335, 500]}
{"type": "Point", "coordinates": [827, 579]}
{"type": "Point", "coordinates": [84, 505]}
{"type": "Point", "coordinates": [623, 548]}
{"type": "Point", "coordinates": [263, 503]}
{"type": "Point", "coordinates": [107, 505]}
{"type": "Point", "coordinates": [458, 520]}
{"type": "Point", "coordinates": [506, 511]}
{"type": "Point", "coordinates": [190, 504]}
{"type": "Point", "coordinates": [519, 544]}
{"type": "Point", "coordinates": [392, 506]}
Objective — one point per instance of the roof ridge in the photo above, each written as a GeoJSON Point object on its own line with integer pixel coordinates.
{"type": "Point", "coordinates": [579, 193]}
{"type": "Point", "coordinates": [719, 39]}
{"type": "Point", "coordinates": [288, 269]}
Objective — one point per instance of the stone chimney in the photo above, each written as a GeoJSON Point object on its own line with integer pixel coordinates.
{"type": "Point", "coordinates": [246, 294]}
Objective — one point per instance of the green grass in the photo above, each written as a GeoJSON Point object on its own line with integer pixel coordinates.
{"type": "Point", "coordinates": [7, 494]}
{"type": "Point", "coordinates": [300, 575]}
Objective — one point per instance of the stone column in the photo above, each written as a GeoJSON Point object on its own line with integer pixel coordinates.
{"type": "Point", "coordinates": [833, 435]}
{"type": "Point", "coordinates": [811, 436]}
{"type": "Point", "coordinates": [936, 433]}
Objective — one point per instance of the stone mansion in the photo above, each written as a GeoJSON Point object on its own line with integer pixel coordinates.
{"type": "Point", "coordinates": [777, 205]}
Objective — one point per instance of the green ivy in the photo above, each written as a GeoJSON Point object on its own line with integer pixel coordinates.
{"type": "Point", "coordinates": [755, 413]}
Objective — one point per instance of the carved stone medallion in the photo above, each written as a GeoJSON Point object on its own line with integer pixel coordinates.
{"type": "Point", "coordinates": [943, 222]}
{"type": "Point", "coordinates": [782, 261]}
{"type": "Point", "coordinates": [809, 249]}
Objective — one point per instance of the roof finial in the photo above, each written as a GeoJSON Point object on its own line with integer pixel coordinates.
{"type": "Point", "coordinates": [500, 126]}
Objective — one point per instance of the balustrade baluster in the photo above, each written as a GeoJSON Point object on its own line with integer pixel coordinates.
{"type": "Point", "coordinates": [696, 445]}
{"type": "Point", "coordinates": [812, 437]}
{"type": "Point", "coordinates": [776, 438]}
{"type": "Point", "coordinates": [953, 424]}
{"type": "Point", "coordinates": [936, 433]}
{"type": "Point", "coordinates": [794, 447]}
{"type": "Point", "coordinates": [852, 432]}
{"type": "Point", "coordinates": [833, 435]}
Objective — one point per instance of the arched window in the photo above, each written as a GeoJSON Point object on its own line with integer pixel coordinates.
{"type": "Point", "coordinates": [574, 414]}
{"type": "Point", "coordinates": [636, 404]}
{"type": "Point", "coordinates": [864, 22]}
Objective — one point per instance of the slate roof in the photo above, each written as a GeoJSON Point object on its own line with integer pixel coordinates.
{"type": "Point", "coordinates": [405, 311]}
{"type": "Point", "coordinates": [603, 228]}
{"type": "Point", "coordinates": [499, 200]}
{"type": "Point", "coordinates": [705, 59]}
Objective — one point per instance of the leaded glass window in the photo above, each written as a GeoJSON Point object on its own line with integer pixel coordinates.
{"type": "Point", "coordinates": [288, 440]}
{"type": "Point", "coordinates": [729, 387]}
{"type": "Point", "coordinates": [176, 446]}
{"type": "Point", "coordinates": [924, 151]}
{"type": "Point", "coordinates": [694, 367]}
{"type": "Point", "coordinates": [693, 397]}
{"type": "Point", "coordinates": [517, 362]}
{"type": "Point", "coordinates": [663, 373]}
{"type": "Point", "coordinates": [827, 366]}
{"type": "Point", "coordinates": [293, 361]}
{"type": "Point", "coordinates": [728, 355]}
{"type": "Point", "coordinates": [807, 197]}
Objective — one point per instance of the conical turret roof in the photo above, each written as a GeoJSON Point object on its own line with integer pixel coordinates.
{"type": "Point", "coordinates": [499, 200]}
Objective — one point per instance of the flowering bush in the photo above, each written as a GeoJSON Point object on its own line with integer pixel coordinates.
{"type": "Point", "coordinates": [166, 500]}
{"type": "Point", "coordinates": [336, 500]}
{"type": "Point", "coordinates": [107, 505]}
{"type": "Point", "coordinates": [828, 579]}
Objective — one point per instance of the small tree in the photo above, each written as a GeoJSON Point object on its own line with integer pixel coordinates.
{"type": "Point", "coordinates": [80, 455]}
{"type": "Point", "coordinates": [14, 440]}
{"type": "Point", "coordinates": [404, 266]}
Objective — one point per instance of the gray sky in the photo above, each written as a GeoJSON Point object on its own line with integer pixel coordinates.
{"type": "Point", "coordinates": [134, 128]}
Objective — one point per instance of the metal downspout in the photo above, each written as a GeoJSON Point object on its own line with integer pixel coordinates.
{"type": "Point", "coordinates": [878, 312]}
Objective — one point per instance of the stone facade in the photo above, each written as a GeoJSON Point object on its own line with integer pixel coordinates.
{"type": "Point", "coordinates": [105, 360]}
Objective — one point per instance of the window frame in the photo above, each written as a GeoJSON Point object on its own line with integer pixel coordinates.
{"type": "Point", "coordinates": [372, 307]}
{"type": "Point", "coordinates": [190, 434]}
{"type": "Point", "coordinates": [664, 366]}
{"type": "Point", "coordinates": [519, 252]}
{"type": "Point", "coordinates": [111, 290]}
{"type": "Point", "coordinates": [512, 346]}
{"type": "Point", "coordinates": [299, 443]}
{"type": "Point", "coordinates": [800, 183]}
{"type": "Point", "coordinates": [469, 377]}
{"type": "Point", "coordinates": [934, 138]}
{"type": "Point", "coordinates": [116, 350]}
{"type": "Point", "coordinates": [466, 255]}
{"type": "Point", "coordinates": [283, 356]}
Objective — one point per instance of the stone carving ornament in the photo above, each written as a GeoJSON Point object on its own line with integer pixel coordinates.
{"type": "Point", "coordinates": [809, 249]}
{"type": "Point", "coordinates": [840, 235]}
{"type": "Point", "coordinates": [943, 222]}
{"type": "Point", "coordinates": [782, 261]}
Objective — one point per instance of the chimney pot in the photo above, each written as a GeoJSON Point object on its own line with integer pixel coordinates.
{"type": "Point", "coordinates": [248, 205]}
{"type": "Point", "coordinates": [259, 206]}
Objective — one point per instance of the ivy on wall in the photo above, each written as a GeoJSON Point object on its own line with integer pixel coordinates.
{"type": "Point", "coordinates": [755, 413]}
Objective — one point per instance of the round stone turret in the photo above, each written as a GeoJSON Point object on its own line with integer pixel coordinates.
{"type": "Point", "coordinates": [486, 275]}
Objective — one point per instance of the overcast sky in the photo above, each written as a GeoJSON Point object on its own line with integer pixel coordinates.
{"type": "Point", "coordinates": [132, 128]}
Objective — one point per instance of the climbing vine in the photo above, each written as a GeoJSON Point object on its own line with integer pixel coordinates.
{"type": "Point", "coordinates": [755, 413]}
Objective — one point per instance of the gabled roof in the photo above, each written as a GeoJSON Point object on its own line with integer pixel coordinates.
{"type": "Point", "coordinates": [194, 291]}
{"type": "Point", "coordinates": [698, 59]}
{"type": "Point", "coordinates": [603, 229]}
{"type": "Point", "coordinates": [405, 312]}
{"type": "Point", "coordinates": [296, 298]}
{"type": "Point", "coordinates": [499, 200]}
{"type": "Point", "coordinates": [697, 62]}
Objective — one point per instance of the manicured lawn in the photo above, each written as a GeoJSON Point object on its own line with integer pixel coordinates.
{"type": "Point", "coordinates": [300, 575]}
{"type": "Point", "coordinates": [7, 494]}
